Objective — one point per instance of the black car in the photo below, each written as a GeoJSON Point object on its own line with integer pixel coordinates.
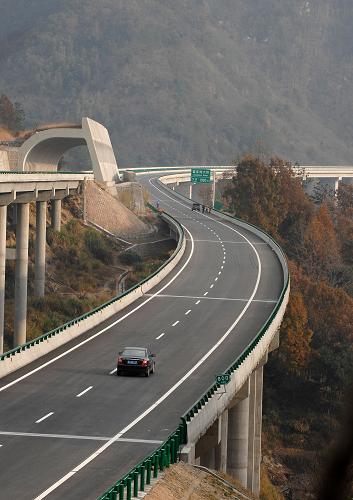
{"type": "Point", "coordinates": [196, 206]}
{"type": "Point", "coordinates": [135, 360]}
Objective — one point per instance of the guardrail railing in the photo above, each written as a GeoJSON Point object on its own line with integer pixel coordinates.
{"type": "Point", "coordinates": [50, 172]}
{"type": "Point", "coordinates": [61, 328]}
{"type": "Point", "coordinates": [141, 475]}
{"type": "Point", "coordinates": [122, 489]}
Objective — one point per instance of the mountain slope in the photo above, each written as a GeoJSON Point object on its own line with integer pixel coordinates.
{"type": "Point", "coordinates": [198, 81]}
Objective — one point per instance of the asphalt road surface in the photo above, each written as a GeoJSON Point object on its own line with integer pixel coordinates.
{"type": "Point", "coordinates": [69, 428]}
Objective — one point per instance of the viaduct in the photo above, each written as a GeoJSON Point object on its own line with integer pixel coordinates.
{"type": "Point", "coordinates": [221, 426]}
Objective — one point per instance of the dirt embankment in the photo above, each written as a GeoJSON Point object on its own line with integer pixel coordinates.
{"type": "Point", "coordinates": [184, 482]}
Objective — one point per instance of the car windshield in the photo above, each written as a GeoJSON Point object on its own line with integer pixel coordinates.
{"type": "Point", "coordinates": [139, 353]}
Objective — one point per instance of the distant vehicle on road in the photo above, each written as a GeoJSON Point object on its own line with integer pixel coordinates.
{"type": "Point", "coordinates": [196, 206]}
{"type": "Point", "coordinates": [136, 360]}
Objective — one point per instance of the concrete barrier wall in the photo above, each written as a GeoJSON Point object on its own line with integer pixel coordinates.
{"type": "Point", "coordinates": [221, 400]}
{"type": "Point", "coordinates": [33, 352]}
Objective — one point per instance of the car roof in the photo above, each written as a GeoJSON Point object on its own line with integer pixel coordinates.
{"type": "Point", "coordinates": [145, 348]}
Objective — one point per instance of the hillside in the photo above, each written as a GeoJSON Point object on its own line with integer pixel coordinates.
{"type": "Point", "coordinates": [197, 81]}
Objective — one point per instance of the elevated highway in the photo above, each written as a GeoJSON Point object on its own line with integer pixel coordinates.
{"type": "Point", "coordinates": [69, 427]}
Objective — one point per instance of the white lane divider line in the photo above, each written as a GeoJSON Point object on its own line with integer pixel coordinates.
{"type": "Point", "coordinates": [1, 445]}
{"type": "Point", "coordinates": [221, 268]}
{"type": "Point", "coordinates": [45, 416]}
{"type": "Point", "coordinates": [212, 285]}
{"type": "Point", "coordinates": [84, 392]}
{"type": "Point", "coordinates": [206, 293]}
{"type": "Point", "coordinates": [220, 272]}
{"type": "Point", "coordinates": [216, 279]}
{"type": "Point", "coordinates": [112, 372]}
{"type": "Point", "coordinates": [119, 320]}
{"type": "Point", "coordinates": [174, 324]}
{"type": "Point", "coordinates": [160, 336]}
{"type": "Point", "coordinates": [188, 312]}
{"type": "Point", "coordinates": [198, 302]}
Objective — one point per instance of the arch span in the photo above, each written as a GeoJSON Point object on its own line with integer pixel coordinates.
{"type": "Point", "coordinates": [43, 150]}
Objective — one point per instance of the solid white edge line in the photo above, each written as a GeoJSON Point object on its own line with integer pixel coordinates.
{"type": "Point", "coordinates": [173, 388]}
{"type": "Point", "coordinates": [45, 416]}
{"type": "Point", "coordinates": [84, 392]}
{"type": "Point", "coordinates": [107, 327]}
{"type": "Point", "coordinates": [114, 438]}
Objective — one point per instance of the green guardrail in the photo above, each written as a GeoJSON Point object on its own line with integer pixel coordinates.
{"type": "Point", "coordinates": [123, 488]}
{"type": "Point", "coordinates": [141, 475]}
{"type": "Point", "coordinates": [86, 315]}
{"type": "Point", "coordinates": [26, 172]}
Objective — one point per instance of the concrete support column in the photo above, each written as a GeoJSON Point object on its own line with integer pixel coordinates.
{"type": "Point", "coordinates": [22, 233]}
{"type": "Point", "coordinates": [238, 440]}
{"type": "Point", "coordinates": [3, 218]}
{"type": "Point", "coordinates": [56, 214]}
{"type": "Point", "coordinates": [41, 226]}
{"type": "Point", "coordinates": [221, 450]}
{"type": "Point", "coordinates": [258, 429]}
{"type": "Point", "coordinates": [251, 447]}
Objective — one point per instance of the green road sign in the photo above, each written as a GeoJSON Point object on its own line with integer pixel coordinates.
{"type": "Point", "coordinates": [202, 175]}
{"type": "Point", "coordinates": [223, 379]}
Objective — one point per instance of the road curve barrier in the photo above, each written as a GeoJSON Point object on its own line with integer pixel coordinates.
{"type": "Point", "coordinates": [195, 421]}
{"type": "Point", "coordinates": [30, 351]}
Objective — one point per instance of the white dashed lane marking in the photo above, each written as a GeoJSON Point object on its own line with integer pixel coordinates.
{"type": "Point", "coordinates": [187, 312]}
{"type": "Point", "coordinates": [198, 302]}
{"type": "Point", "coordinates": [205, 293]}
{"type": "Point", "coordinates": [84, 392]}
{"type": "Point", "coordinates": [212, 286]}
{"type": "Point", "coordinates": [160, 336]}
{"type": "Point", "coordinates": [45, 416]}
{"type": "Point", "coordinates": [174, 324]}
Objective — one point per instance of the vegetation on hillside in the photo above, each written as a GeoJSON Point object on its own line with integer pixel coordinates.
{"type": "Point", "coordinates": [308, 375]}
{"type": "Point", "coordinates": [192, 81]}
{"type": "Point", "coordinates": [84, 269]}
{"type": "Point", "coordinates": [12, 115]}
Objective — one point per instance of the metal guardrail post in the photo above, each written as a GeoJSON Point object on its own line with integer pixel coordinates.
{"type": "Point", "coordinates": [136, 483]}
{"type": "Point", "coordinates": [121, 491]}
{"type": "Point", "coordinates": [128, 488]}
{"type": "Point", "coordinates": [155, 466]}
{"type": "Point", "coordinates": [172, 451]}
{"type": "Point", "coordinates": [142, 477]}
{"type": "Point", "coordinates": [167, 455]}
{"type": "Point", "coordinates": [148, 467]}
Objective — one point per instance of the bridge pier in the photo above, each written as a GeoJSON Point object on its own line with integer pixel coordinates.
{"type": "Point", "coordinates": [56, 214]}
{"type": "Point", "coordinates": [222, 447]}
{"type": "Point", "coordinates": [21, 275]}
{"type": "Point", "coordinates": [3, 219]}
{"type": "Point", "coordinates": [238, 435]}
{"type": "Point", "coordinates": [41, 227]}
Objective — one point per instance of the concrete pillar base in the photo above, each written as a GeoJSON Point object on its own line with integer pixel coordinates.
{"type": "Point", "coordinates": [3, 218]}
{"type": "Point", "coordinates": [22, 233]}
{"type": "Point", "coordinates": [39, 271]}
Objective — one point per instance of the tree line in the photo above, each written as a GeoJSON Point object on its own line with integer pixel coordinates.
{"type": "Point", "coordinates": [308, 375]}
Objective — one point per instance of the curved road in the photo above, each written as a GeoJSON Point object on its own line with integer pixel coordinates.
{"type": "Point", "coordinates": [69, 428]}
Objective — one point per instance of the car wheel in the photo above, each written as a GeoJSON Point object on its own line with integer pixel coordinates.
{"type": "Point", "coordinates": [153, 367]}
{"type": "Point", "coordinates": [147, 372]}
